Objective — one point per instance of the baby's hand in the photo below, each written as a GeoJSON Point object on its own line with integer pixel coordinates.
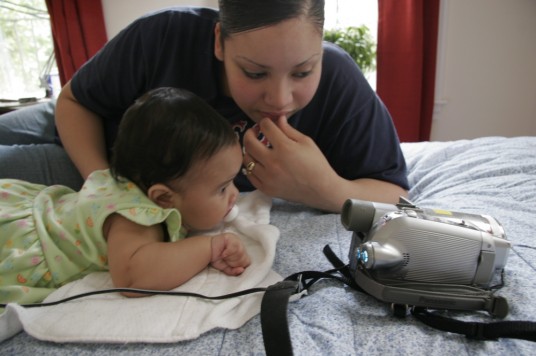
{"type": "Point", "coordinates": [229, 254]}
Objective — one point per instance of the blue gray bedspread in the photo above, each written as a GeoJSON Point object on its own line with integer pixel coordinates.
{"type": "Point", "coordinates": [492, 175]}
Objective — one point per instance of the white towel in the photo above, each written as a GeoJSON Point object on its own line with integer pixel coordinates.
{"type": "Point", "coordinates": [114, 318]}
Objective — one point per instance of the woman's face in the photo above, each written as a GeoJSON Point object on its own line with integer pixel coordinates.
{"type": "Point", "coordinates": [272, 71]}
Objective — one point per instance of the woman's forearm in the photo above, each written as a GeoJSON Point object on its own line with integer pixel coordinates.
{"type": "Point", "coordinates": [81, 133]}
{"type": "Point", "coordinates": [333, 195]}
{"type": "Point", "coordinates": [295, 169]}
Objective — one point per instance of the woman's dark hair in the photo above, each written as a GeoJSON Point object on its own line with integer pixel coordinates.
{"type": "Point", "coordinates": [164, 133]}
{"type": "Point", "coordinates": [244, 15]}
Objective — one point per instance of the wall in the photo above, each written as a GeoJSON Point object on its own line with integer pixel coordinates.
{"type": "Point", "coordinates": [486, 75]}
{"type": "Point", "coordinates": [119, 13]}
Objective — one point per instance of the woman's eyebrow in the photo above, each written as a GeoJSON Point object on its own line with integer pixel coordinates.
{"type": "Point", "coordinates": [266, 66]}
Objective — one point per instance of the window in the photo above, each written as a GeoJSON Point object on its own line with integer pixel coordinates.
{"type": "Point", "coordinates": [27, 64]}
{"type": "Point", "coordinates": [354, 13]}
{"type": "Point", "coordinates": [342, 13]}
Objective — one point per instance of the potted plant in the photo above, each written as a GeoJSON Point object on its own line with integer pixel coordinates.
{"type": "Point", "coordinates": [358, 42]}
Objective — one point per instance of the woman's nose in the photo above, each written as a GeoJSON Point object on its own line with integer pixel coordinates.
{"type": "Point", "coordinates": [278, 94]}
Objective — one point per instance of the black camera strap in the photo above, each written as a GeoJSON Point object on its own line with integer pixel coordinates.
{"type": "Point", "coordinates": [525, 330]}
{"type": "Point", "coordinates": [274, 307]}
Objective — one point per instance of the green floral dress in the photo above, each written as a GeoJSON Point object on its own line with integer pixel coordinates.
{"type": "Point", "coordinates": [50, 236]}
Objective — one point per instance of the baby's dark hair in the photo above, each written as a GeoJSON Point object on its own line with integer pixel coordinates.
{"type": "Point", "coordinates": [244, 15]}
{"type": "Point", "coordinates": [164, 133]}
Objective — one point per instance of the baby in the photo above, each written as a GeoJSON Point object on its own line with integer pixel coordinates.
{"type": "Point", "coordinates": [171, 177]}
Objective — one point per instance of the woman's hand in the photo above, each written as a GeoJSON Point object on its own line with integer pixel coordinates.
{"type": "Point", "coordinates": [294, 168]}
{"type": "Point", "coordinates": [229, 254]}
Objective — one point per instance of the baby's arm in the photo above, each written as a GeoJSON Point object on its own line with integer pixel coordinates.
{"type": "Point", "coordinates": [139, 258]}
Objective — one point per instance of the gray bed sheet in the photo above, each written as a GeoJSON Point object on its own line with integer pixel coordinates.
{"type": "Point", "coordinates": [490, 175]}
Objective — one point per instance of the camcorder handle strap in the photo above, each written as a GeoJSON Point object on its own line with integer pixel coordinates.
{"type": "Point", "coordinates": [275, 330]}
{"type": "Point", "coordinates": [274, 306]}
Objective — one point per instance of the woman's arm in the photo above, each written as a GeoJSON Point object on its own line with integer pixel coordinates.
{"type": "Point", "coordinates": [295, 169]}
{"type": "Point", "coordinates": [139, 258]}
{"type": "Point", "coordinates": [81, 133]}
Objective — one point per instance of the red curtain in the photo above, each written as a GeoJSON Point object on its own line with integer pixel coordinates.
{"type": "Point", "coordinates": [79, 32]}
{"type": "Point", "coordinates": [406, 64]}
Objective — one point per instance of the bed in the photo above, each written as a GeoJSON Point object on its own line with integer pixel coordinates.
{"type": "Point", "coordinates": [489, 175]}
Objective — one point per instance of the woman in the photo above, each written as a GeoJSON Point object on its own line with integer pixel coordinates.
{"type": "Point", "coordinates": [264, 67]}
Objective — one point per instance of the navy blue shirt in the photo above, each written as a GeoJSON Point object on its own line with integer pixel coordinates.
{"type": "Point", "coordinates": [175, 47]}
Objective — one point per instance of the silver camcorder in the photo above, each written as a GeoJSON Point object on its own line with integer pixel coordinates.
{"type": "Point", "coordinates": [431, 258]}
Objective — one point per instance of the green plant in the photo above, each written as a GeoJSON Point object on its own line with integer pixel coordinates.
{"type": "Point", "coordinates": [358, 42]}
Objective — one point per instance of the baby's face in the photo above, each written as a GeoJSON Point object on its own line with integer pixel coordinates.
{"type": "Point", "coordinates": [209, 192]}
